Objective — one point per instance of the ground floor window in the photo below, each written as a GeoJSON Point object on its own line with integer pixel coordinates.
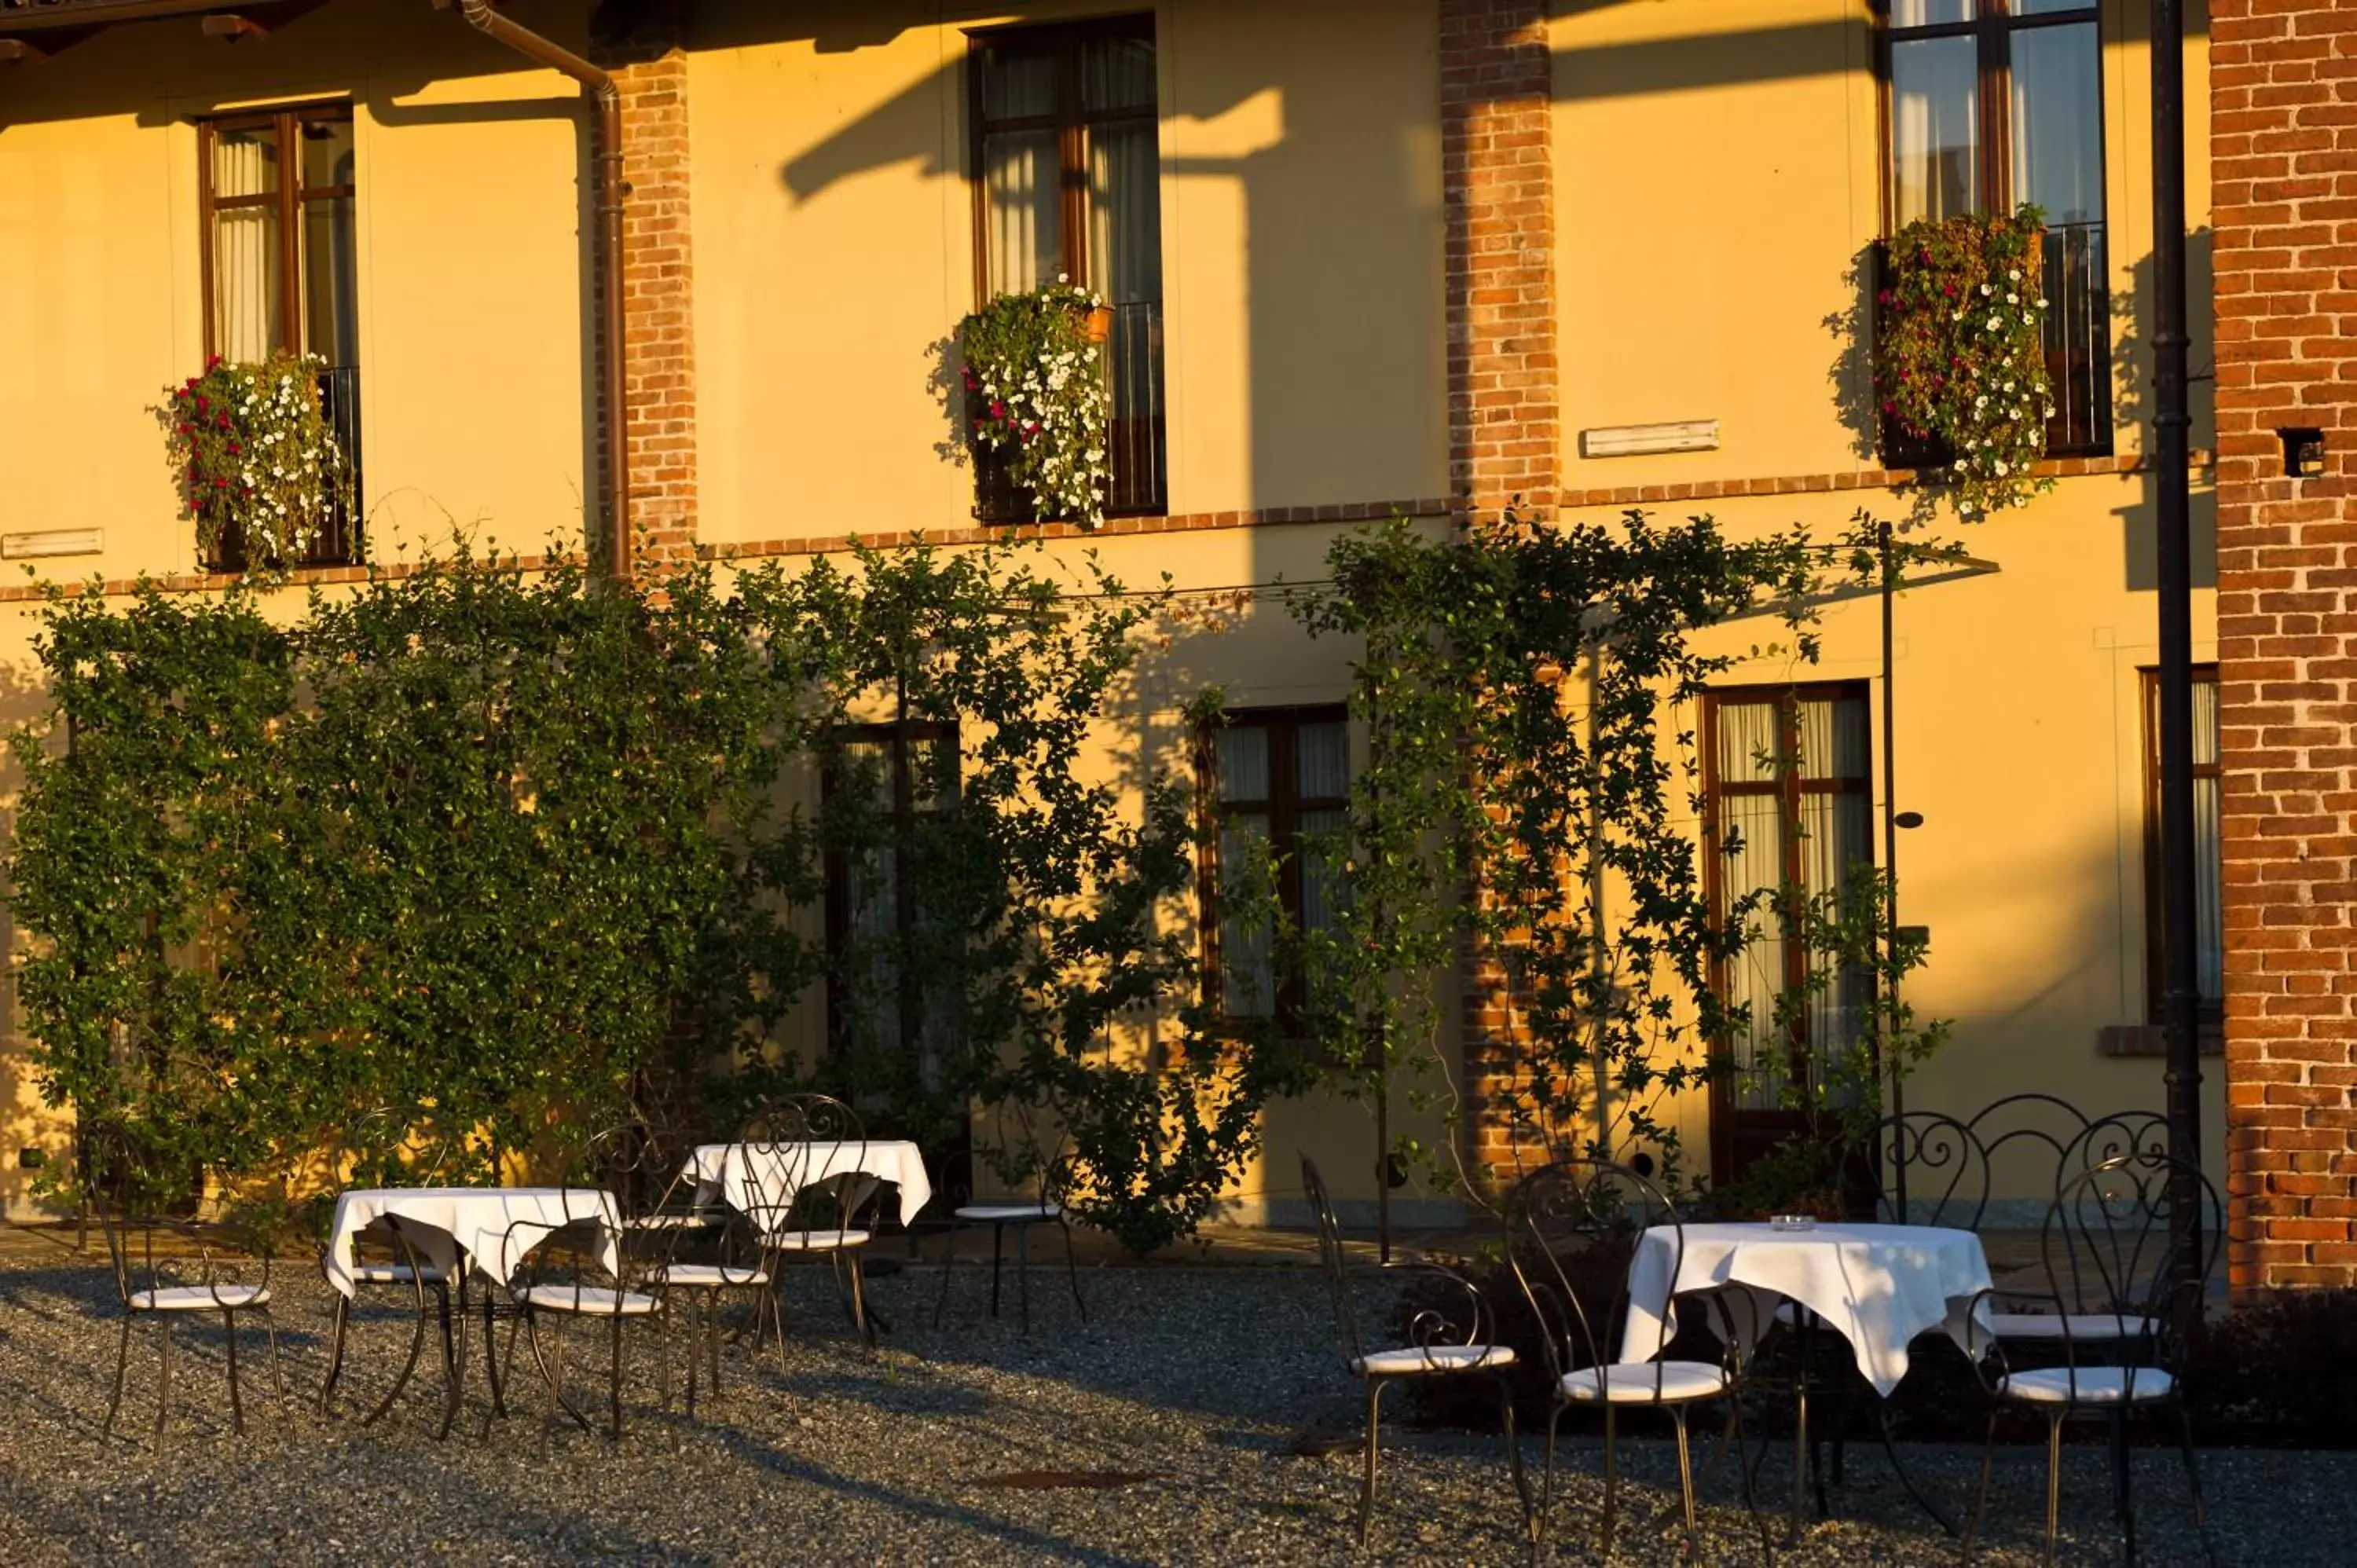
{"type": "Point", "coordinates": [1789, 805]}
{"type": "Point", "coordinates": [1278, 776]}
{"type": "Point", "coordinates": [2209, 917]}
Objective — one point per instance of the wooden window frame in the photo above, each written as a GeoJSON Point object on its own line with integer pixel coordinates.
{"type": "Point", "coordinates": [1791, 789]}
{"type": "Point", "coordinates": [1071, 121]}
{"type": "Point", "coordinates": [899, 740]}
{"type": "Point", "coordinates": [290, 198]}
{"type": "Point", "coordinates": [1993, 26]}
{"type": "Point", "coordinates": [2210, 1011]}
{"type": "Point", "coordinates": [1284, 808]}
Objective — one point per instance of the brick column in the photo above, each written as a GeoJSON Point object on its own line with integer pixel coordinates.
{"type": "Point", "coordinates": [650, 66]}
{"type": "Point", "coordinates": [1506, 418]}
{"type": "Point", "coordinates": [2284, 172]}
{"type": "Point", "coordinates": [1505, 413]}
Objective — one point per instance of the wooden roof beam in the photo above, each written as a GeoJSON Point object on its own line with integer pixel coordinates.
{"type": "Point", "coordinates": [24, 51]}
{"type": "Point", "coordinates": [256, 21]}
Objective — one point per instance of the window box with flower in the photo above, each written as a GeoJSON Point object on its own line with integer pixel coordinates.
{"type": "Point", "coordinates": [260, 470]}
{"type": "Point", "coordinates": [1959, 363]}
{"type": "Point", "coordinates": [1036, 400]}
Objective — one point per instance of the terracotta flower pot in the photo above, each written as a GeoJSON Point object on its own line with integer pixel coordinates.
{"type": "Point", "coordinates": [1097, 323]}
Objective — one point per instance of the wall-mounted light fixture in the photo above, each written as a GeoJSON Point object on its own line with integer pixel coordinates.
{"type": "Point", "coordinates": [2303, 451]}
{"type": "Point", "coordinates": [1638, 440]}
{"type": "Point", "coordinates": [51, 542]}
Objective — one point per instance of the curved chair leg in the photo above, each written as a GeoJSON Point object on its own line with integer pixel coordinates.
{"type": "Point", "coordinates": [860, 1299]}
{"type": "Point", "coordinates": [270, 1338]}
{"type": "Point", "coordinates": [342, 1320]}
{"type": "Point", "coordinates": [417, 1347]}
{"type": "Point", "coordinates": [2194, 1481]}
{"type": "Point", "coordinates": [615, 1333]}
{"type": "Point", "coordinates": [236, 1408]}
{"type": "Point", "coordinates": [122, 1364]}
{"type": "Point", "coordinates": [2123, 1494]}
{"type": "Point", "coordinates": [551, 1365]}
{"type": "Point", "coordinates": [1686, 1480]}
{"type": "Point", "coordinates": [1751, 1497]}
{"type": "Point", "coordinates": [998, 1242]}
{"type": "Point", "coordinates": [1980, 1501]}
{"type": "Point", "coordinates": [453, 1360]}
{"type": "Point", "coordinates": [695, 1307]}
{"type": "Point", "coordinates": [1515, 1449]}
{"type": "Point", "coordinates": [164, 1388]}
{"type": "Point", "coordinates": [1073, 1269]}
{"type": "Point", "coordinates": [2053, 1481]}
{"type": "Point", "coordinates": [1367, 1484]}
{"type": "Point", "coordinates": [1612, 1482]}
{"type": "Point", "coordinates": [1547, 1485]}
{"type": "Point", "coordinates": [948, 1261]}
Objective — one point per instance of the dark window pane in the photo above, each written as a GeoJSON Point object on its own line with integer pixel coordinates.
{"type": "Point", "coordinates": [331, 282]}
{"type": "Point", "coordinates": [328, 158]}
{"type": "Point", "coordinates": [1934, 128]}
{"type": "Point", "coordinates": [1117, 73]}
{"type": "Point", "coordinates": [1017, 81]}
{"type": "Point", "coordinates": [2058, 135]}
{"type": "Point", "coordinates": [1930, 13]}
{"type": "Point", "coordinates": [1023, 189]}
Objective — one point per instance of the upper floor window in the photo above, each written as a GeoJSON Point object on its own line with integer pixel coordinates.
{"type": "Point", "coordinates": [1997, 102]}
{"type": "Point", "coordinates": [1067, 181]}
{"type": "Point", "coordinates": [280, 259]}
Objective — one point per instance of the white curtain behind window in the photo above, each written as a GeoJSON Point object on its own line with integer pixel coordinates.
{"type": "Point", "coordinates": [245, 247]}
{"type": "Point", "coordinates": [1934, 130]}
{"type": "Point", "coordinates": [2210, 929]}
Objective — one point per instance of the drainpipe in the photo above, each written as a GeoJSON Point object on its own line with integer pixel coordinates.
{"type": "Point", "coordinates": [615, 425]}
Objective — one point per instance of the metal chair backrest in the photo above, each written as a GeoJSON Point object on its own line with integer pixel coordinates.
{"type": "Point", "coordinates": [2112, 1243]}
{"type": "Point", "coordinates": [1574, 1232]}
{"type": "Point", "coordinates": [2034, 1126]}
{"type": "Point", "coordinates": [569, 1251]}
{"type": "Point", "coordinates": [1920, 1167]}
{"type": "Point", "coordinates": [1335, 1261]}
{"type": "Point", "coordinates": [130, 1191]}
{"type": "Point", "coordinates": [808, 1154]}
{"type": "Point", "coordinates": [2106, 1138]}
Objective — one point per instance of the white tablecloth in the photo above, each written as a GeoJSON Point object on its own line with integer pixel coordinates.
{"type": "Point", "coordinates": [751, 1175]}
{"type": "Point", "coordinates": [447, 1223]}
{"type": "Point", "coordinates": [1877, 1286]}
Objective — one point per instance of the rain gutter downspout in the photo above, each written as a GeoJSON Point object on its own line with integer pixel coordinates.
{"type": "Point", "coordinates": [615, 422]}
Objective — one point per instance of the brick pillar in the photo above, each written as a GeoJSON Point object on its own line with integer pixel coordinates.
{"type": "Point", "coordinates": [1505, 417]}
{"type": "Point", "coordinates": [2284, 172]}
{"type": "Point", "coordinates": [650, 66]}
{"type": "Point", "coordinates": [1505, 412]}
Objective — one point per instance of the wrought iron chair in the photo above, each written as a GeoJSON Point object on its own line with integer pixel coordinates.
{"type": "Point", "coordinates": [2112, 1248]}
{"type": "Point", "coordinates": [2025, 1319]}
{"type": "Point", "coordinates": [1053, 1174]}
{"type": "Point", "coordinates": [1920, 1167]}
{"type": "Point", "coordinates": [382, 1145]}
{"type": "Point", "coordinates": [1566, 1219]}
{"type": "Point", "coordinates": [733, 1259]}
{"type": "Point", "coordinates": [126, 1194]}
{"type": "Point", "coordinates": [817, 1199]}
{"type": "Point", "coordinates": [1434, 1350]}
{"type": "Point", "coordinates": [591, 1265]}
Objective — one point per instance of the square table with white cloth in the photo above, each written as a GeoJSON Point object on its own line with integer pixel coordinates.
{"type": "Point", "coordinates": [1878, 1287]}
{"type": "Point", "coordinates": [750, 1175]}
{"type": "Point", "coordinates": [447, 1223]}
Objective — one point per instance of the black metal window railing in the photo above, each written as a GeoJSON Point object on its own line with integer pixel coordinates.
{"type": "Point", "coordinates": [2077, 285]}
{"type": "Point", "coordinates": [1136, 430]}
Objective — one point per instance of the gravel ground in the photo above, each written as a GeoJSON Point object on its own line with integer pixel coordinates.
{"type": "Point", "coordinates": [1193, 1382]}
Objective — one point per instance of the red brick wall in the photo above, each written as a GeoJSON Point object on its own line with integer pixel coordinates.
{"type": "Point", "coordinates": [658, 292]}
{"type": "Point", "coordinates": [1505, 414]}
{"type": "Point", "coordinates": [2283, 172]}
{"type": "Point", "coordinates": [1504, 405]}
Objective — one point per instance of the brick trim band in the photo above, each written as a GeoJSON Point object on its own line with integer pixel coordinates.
{"type": "Point", "coordinates": [1855, 479]}
{"type": "Point", "coordinates": [1116, 527]}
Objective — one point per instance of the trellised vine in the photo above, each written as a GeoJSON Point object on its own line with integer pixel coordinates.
{"type": "Point", "coordinates": [1526, 797]}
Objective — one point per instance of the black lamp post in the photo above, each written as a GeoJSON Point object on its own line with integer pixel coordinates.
{"type": "Point", "coordinates": [2171, 423]}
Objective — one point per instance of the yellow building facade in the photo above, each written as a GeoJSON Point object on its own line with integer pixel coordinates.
{"type": "Point", "coordinates": [1311, 194]}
